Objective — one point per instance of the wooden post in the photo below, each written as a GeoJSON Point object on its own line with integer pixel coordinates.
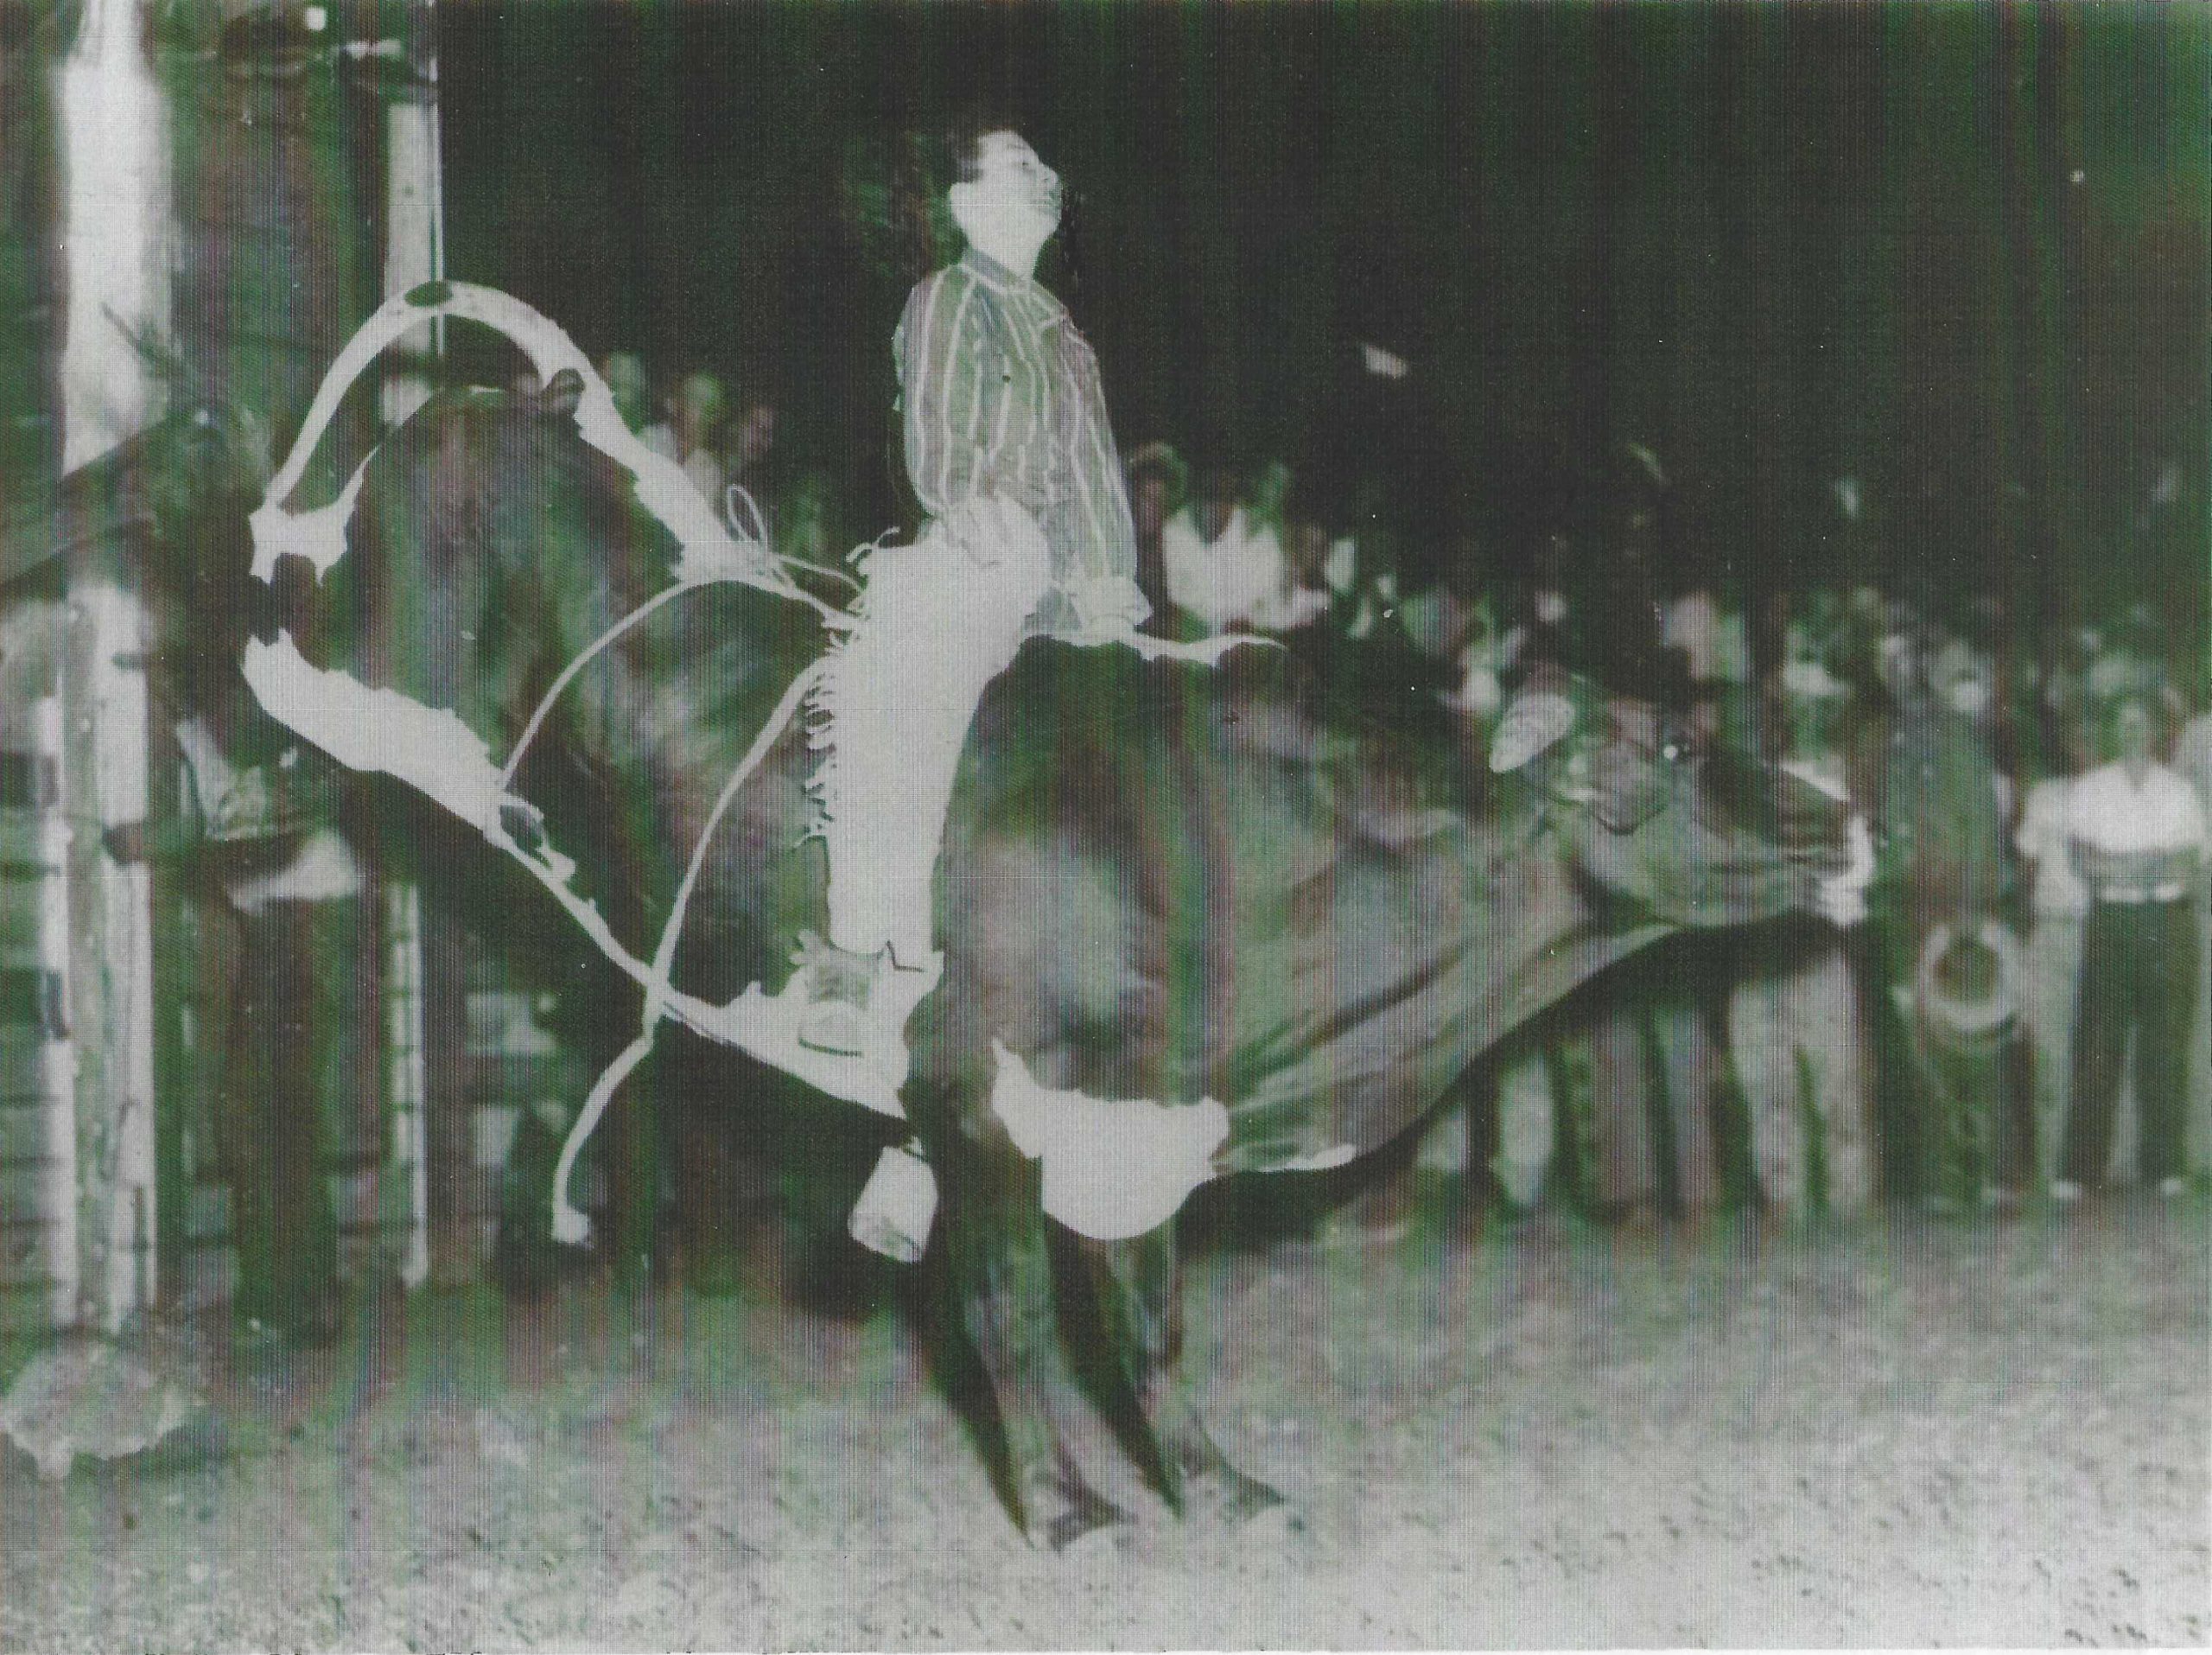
{"type": "Point", "coordinates": [110, 986]}
{"type": "Point", "coordinates": [414, 249]}
{"type": "Point", "coordinates": [428, 951]}
{"type": "Point", "coordinates": [114, 141]}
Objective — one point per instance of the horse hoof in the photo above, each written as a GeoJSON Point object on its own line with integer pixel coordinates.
{"type": "Point", "coordinates": [1088, 1533]}
{"type": "Point", "coordinates": [1072, 1522]}
{"type": "Point", "coordinates": [1247, 1506]}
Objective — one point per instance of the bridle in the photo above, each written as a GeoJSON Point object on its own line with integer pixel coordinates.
{"type": "Point", "coordinates": [711, 555]}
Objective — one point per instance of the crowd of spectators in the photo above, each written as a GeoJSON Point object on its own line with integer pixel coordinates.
{"type": "Point", "coordinates": [725, 442]}
{"type": "Point", "coordinates": [2035, 804]}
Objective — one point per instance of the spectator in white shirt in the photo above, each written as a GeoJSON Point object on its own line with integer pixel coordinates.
{"type": "Point", "coordinates": [2193, 758]}
{"type": "Point", "coordinates": [1157, 480]}
{"type": "Point", "coordinates": [1225, 567]}
{"type": "Point", "coordinates": [687, 436]}
{"type": "Point", "coordinates": [2058, 903]}
{"type": "Point", "coordinates": [2137, 837]}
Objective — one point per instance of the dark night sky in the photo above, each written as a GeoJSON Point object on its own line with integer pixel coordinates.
{"type": "Point", "coordinates": [1779, 245]}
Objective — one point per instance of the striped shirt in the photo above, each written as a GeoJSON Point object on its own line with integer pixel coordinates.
{"type": "Point", "coordinates": [1000, 395]}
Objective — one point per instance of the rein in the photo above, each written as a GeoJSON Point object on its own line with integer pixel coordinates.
{"type": "Point", "coordinates": [432, 750]}
{"type": "Point", "coordinates": [569, 1223]}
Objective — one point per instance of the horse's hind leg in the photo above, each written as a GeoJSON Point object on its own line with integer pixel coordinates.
{"type": "Point", "coordinates": [997, 1285]}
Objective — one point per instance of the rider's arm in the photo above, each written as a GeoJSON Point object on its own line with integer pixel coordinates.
{"type": "Point", "coordinates": [1103, 588]}
{"type": "Point", "coordinates": [951, 392]}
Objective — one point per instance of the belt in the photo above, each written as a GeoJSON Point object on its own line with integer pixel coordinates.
{"type": "Point", "coordinates": [2136, 896]}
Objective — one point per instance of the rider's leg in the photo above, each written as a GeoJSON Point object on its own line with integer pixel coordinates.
{"type": "Point", "coordinates": [899, 697]}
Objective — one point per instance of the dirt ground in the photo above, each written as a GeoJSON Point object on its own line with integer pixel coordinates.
{"type": "Point", "coordinates": [1911, 1433]}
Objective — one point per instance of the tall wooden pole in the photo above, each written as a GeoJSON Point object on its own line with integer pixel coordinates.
{"type": "Point", "coordinates": [115, 137]}
{"type": "Point", "coordinates": [442, 1244]}
{"type": "Point", "coordinates": [414, 249]}
{"type": "Point", "coordinates": [116, 246]}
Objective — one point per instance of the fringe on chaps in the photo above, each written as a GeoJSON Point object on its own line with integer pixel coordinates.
{"type": "Point", "coordinates": [891, 716]}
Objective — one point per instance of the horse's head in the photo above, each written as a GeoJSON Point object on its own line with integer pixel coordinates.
{"type": "Point", "coordinates": [489, 547]}
{"type": "Point", "coordinates": [178, 490]}
{"type": "Point", "coordinates": [165, 511]}
{"type": "Point", "coordinates": [1662, 815]}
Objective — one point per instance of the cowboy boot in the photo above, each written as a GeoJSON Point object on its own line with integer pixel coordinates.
{"type": "Point", "coordinates": [840, 984]}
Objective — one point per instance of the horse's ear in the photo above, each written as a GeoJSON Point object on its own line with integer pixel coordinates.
{"type": "Point", "coordinates": [1534, 720]}
{"type": "Point", "coordinates": [561, 397]}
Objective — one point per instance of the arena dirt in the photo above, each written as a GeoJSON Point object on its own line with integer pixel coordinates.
{"type": "Point", "coordinates": [1912, 1432]}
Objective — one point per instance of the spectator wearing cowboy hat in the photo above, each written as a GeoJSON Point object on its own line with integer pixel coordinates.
{"type": "Point", "coordinates": [1941, 807]}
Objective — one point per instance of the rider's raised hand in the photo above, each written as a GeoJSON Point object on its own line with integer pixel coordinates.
{"type": "Point", "coordinates": [1106, 605]}
{"type": "Point", "coordinates": [991, 527]}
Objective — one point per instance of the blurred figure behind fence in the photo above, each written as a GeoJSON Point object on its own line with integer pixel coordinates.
{"type": "Point", "coordinates": [689, 435]}
{"type": "Point", "coordinates": [1796, 1027]}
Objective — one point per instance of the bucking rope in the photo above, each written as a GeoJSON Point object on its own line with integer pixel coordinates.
{"type": "Point", "coordinates": [710, 554]}
{"type": "Point", "coordinates": [434, 751]}
{"type": "Point", "coordinates": [569, 1223]}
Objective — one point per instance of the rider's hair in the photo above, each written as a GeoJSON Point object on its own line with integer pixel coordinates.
{"type": "Point", "coordinates": [893, 188]}
{"type": "Point", "coordinates": [931, 161]}
{"type": "Point", "coordinates": [963, 135]}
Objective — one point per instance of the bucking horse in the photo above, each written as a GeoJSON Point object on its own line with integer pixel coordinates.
{"type": "Point", "coordinates": [1247, 910]}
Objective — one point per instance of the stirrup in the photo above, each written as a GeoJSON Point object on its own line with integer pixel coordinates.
{"type": "Point", "coordinates": [834, 1027]}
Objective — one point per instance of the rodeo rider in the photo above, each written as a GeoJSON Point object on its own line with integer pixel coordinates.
{"type": "Point", "coordinates": [1010, 455]}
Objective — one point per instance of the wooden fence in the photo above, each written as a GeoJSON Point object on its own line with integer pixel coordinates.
{"type": "Point", "coordinates": [301, 184]}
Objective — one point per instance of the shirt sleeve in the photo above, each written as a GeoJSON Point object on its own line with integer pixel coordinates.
{"type": "Point", "coordinates": [1106, 549]}
{"type": "Point", "coordinates": [2196, 834]}
{"type": "Point", "coordinates": [945, 391]}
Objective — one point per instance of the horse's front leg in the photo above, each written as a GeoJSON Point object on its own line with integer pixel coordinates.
{"type": "Point", "coordinates": [995, 1294]}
